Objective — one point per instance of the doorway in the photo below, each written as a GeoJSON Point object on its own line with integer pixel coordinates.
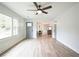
{"type": "Point", "coordinates": [44, 28]}
{"type": "Point", "coordinates": [29, 30]}
{"type": "Point", "coordinates": [49, 31]}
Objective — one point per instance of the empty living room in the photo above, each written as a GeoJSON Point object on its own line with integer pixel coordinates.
{"type": "Point", "coordinates": [39, 29]}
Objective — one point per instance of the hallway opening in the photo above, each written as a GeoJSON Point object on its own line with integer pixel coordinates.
{"type": "Point", "coordinates": [44, 28]}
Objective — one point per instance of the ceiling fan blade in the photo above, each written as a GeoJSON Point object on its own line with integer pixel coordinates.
{"type": "Point", "coordinates": [47, 8]}
{"type": "Point", "coordinates": [44, 12]}
{"type": "Point", "coordinates": [31, 10]}
{"type": "Point", "coordinates": [36, 4]}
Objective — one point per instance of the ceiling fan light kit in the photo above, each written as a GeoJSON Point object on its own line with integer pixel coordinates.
{"type": "Point", "coordinates": [39, 11]}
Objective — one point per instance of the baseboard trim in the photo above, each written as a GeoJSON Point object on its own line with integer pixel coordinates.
{"type": "Point", "coordinates": [67, 46]}
{"type": "Point", "coordinates": [1, 55]}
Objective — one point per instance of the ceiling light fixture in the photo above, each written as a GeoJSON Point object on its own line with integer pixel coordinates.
{"type": "Point", "coordinates": [39, 11]}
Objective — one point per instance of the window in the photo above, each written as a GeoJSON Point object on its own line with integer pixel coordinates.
{"type": "Point", "coordinates": [29, 24]}
{"type": "Point", "coordinates": [5, 26]}
{"type": "Point", "coordinates": [49, 28]}
{"type": "Point", "coordinates": [8, 26]}
{"type": "Point", "coordinates": [15, 26]}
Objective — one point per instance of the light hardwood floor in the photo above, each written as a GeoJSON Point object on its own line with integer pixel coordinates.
{"type": "Point", "coordinates": [44, 46]}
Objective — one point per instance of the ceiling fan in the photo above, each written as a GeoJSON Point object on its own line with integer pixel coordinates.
{"type": "Point", "coordinates": [39, 9]}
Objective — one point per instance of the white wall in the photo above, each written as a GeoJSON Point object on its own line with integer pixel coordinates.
{"type": "Point", "coordinates": [68, 28]}
{"type": "Point", "coordinates": [10, 41]}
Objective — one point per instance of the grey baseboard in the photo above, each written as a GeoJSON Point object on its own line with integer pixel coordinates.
{"type": "Point", "coordinates": [1, 55]}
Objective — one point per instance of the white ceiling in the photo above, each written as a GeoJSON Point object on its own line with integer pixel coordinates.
{"type": "Point", "coordinates": [22, 7]}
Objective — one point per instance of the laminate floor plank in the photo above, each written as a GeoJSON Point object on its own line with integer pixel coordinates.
{"type": "Point", "coordinates": [44, 46]}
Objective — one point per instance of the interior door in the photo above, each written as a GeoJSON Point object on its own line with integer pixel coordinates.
{"type": "Point", "coordinates": [29, 30]}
